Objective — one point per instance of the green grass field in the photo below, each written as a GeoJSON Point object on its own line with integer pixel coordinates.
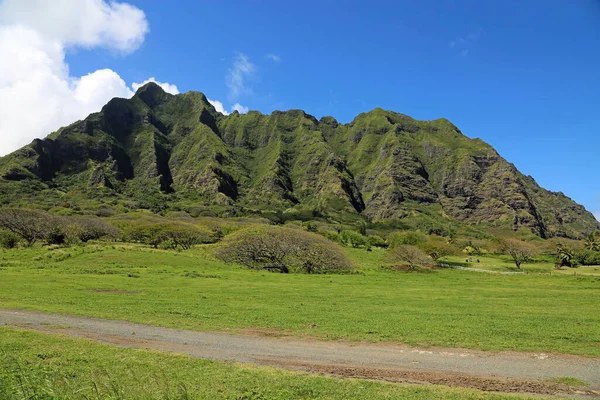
{"type": "Point", "coordinates": [192, 290]}
{"type": "Point", "coordinates": [39, 366]}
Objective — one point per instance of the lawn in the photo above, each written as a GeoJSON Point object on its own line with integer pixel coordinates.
{"type": "Point", "coordinates": [192, 290]}
{"type": "Point", "coordinates": [39, 366]}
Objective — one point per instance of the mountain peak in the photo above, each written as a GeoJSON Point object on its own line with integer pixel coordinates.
{"type": "Point", "coordinates": [152, 94]}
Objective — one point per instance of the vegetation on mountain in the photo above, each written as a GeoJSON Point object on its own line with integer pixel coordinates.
{"type": "Point", "coordinates": [169, 153]}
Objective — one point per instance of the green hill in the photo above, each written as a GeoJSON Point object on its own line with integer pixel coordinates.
{"type": "Point", "coordinates": [176, 152]}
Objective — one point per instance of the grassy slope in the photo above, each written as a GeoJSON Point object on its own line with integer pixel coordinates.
{"type": "Point", "coordinates": [55, 367]}
{"type": "Point", "coordinates": [193, 291]}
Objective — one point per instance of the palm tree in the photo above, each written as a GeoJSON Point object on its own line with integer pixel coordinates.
{"type": "Point", "coordinates": [564, 257]}
{"type": "Point", "coordinates": [592, 242]}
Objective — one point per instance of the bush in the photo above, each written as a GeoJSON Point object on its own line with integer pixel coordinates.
{"type": "Point", "coordinates": [587, 257]}
{"type": "Point", "coordinates": [333, 236]}
{"type": "Point", "coordinates": [406, 238]}
{"type": "Point", "coordinates": [377, 241]}
{"type": "Point", "coordinates": [85, 229]}
{"type": "Point", "coordinates": [31, 225]}
{"type": "Point", "coordinates": [169, 234]}
{"type": "Point", "coordinates": [8, 240]}
{"type": "Point", "coordinates": [311, 226]}
{"type": "Point", "coordinates": [284, 250]}
{"type": "Point", "coordinates": [354, 239]}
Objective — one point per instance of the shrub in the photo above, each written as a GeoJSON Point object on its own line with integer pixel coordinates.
{"type": "Point", "coordinates": [284, 250]}
{"type": "Point", "coordinates": [85, 229]}
{"type": "Point", "coordinates": [377, 241]}
{"type": "Point", "coordinates": [311, 226]}
{"type": "Point", "coordinates": [354, 239]}
{"type": "Point", "coordinates": [170, 234]}
{"type": "Point", "coordinates": [31, 225]}
{"type": "Point", "coordinates": [333, 236]}
{"type": "Point", "coordinates": [8, 240]}
{"type": "Point", "coordinates": [406, 238]}
{"type": "Point", "coordinates": [587, 257]}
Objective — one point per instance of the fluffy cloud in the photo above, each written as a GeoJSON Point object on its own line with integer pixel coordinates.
{"type": "Point", "coordinates": [37, 93]}
{"type": "Point", "coordinates": [218, 106]}
{"type": "Point", "coordinates": [239, 108]}
{"type": "Point", "coordinates": [221, 108]}
{"type": "Point", "coordinates": [238, 76]}
{"type": "Point", "coordinates": [167, 87]}
{"type": "Point", "coordinates": [83, 23]}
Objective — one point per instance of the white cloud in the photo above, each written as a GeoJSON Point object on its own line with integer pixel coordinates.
{"type": "Point", "coordinates": [273, 57]}
{"type": "Point", "coordinates": [239, 108]}
{"type": "Point", "coordinates": [167, 87]}
{"type": "Point", "coordinates": [82, 23]}
{"type": "Point", "coordinates": [597, 215]}
{"type": "Point", "coordinates": [221, 108]}
{"type": "Point", "coordinates": [37, 93]}
{"type": "Point", "coordinates": [218, 106]}
{"type": "Point", "coordinates": [238, 75]}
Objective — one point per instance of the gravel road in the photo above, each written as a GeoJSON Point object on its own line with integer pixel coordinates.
{"type": "Point", "coordinates": [491, 371]}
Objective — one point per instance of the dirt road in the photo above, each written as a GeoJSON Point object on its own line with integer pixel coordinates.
{"type": "Point", "coordinates": [491, 371]}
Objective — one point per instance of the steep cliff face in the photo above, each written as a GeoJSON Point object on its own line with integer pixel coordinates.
{"type": "Point", "coordinates": [382, 166]}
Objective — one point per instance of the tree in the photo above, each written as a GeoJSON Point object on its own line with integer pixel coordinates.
{"type": "Point", "coordinates": [284, 250]}
{"type": "Point", "coordinates": [592, 241]}
{"type": "Point", "coordinates": [171, 234]}
{"type": "Point", "coordinates": [31, 225]}
{"type": "Point", "coordinates": [409, 255]}
{"type": "Point", "coordinates": [519, 251]}
{"type": "Point", "coordinates": [565, 257]}
{"type": "Point", "coordinates": [89, 228]}
{"type": "Point", "coordinates": [437, 249]}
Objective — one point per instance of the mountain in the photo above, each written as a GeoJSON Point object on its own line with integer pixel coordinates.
{"type": "Point", "coordinates": [158, 150]}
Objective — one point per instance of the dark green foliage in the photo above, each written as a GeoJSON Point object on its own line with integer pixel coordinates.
{"type": "Point", "coordinates": [587, 257]}
{"type": "Point", "coordinates": [377, 241]}
{"type": "Point", "coordinates": [353, 239]}
{"type": "Point", "coordinates": [163, 153]}
{"type": "Point", "coordinates": [592, 242]}
{"type": "Point", "coordinates": [565, 257]}
{"type": "Point", "coordinates": [284, 250]}
{"type": "Point", "coordinates": [8, 240]}
{"type": "Point", "coordinates": [311, 226]}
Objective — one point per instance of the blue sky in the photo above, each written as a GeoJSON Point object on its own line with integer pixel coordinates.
{"type": "Point", "coordinates": [522, 75]}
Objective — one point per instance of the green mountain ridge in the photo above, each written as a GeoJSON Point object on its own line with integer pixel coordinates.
{"type": "Point", "coordinates": [383, 166]}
